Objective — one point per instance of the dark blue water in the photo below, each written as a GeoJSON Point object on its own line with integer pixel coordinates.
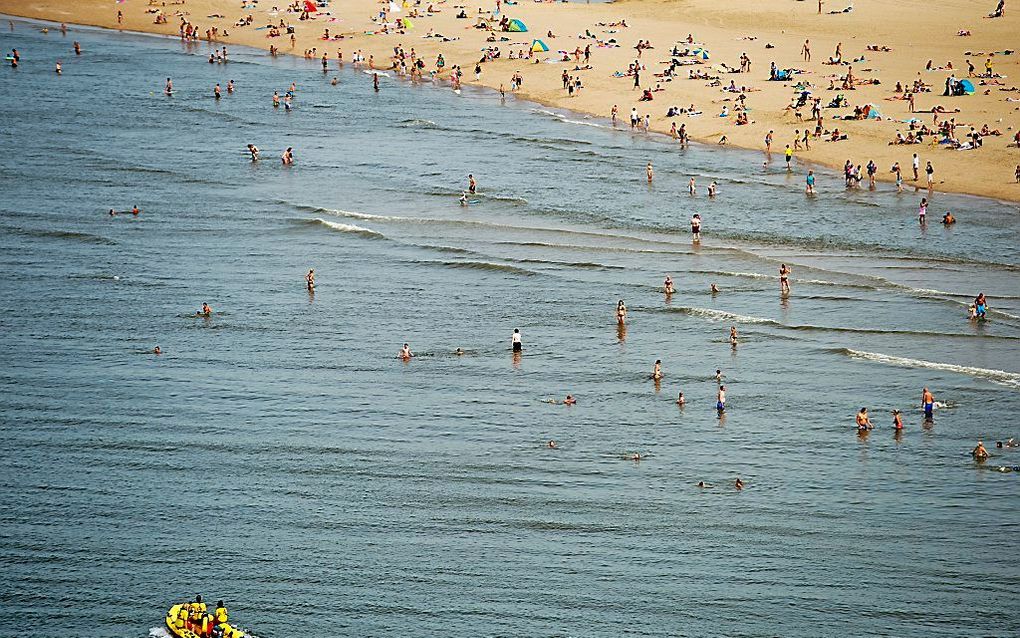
{"type": "Point", "coordinates": [279, 456]}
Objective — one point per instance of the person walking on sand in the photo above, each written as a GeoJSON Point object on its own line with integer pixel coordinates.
{"type": "Point", "coordinates": [806, 50]}
{"type": "Point", "coordinates": [930, 172]}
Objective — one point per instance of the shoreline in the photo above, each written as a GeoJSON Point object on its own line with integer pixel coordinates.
{"type": "Point", "coordinates": [820, 155]}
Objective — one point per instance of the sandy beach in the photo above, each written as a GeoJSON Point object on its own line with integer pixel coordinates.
{"type": "Point", "coordinates": [774, 31]}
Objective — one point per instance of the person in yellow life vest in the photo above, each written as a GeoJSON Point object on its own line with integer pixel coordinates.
{"type": "Point", "coordinates": [197, 609]}
{"type": "Point", "coordinates": [182, 617]}
{"type": "Point", "coordinates": [220, 615]}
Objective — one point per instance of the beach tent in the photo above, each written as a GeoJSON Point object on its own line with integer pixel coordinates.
{"type": "Point", "coordinates": [700, 52]}
{"type": "Point", "coordinates": [310, 6]}
{"type": "Point", "coordinates": [967, 86]}
{"type": "Point", "coordinates": [481, 23]}
{"type": "Point", "coordinates": [407, 23]}
{"type": "Point", "coordinates": [537, 46]}
{"type": "Point", "coordinates": [518, 26]}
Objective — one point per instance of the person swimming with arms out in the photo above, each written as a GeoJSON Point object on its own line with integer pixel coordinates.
{"type": "Point", "coordinates": [928, 403]}
{"type": "Point", "coordinates": [405, 353]}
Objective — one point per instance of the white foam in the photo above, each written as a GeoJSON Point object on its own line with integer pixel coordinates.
{"type": "Point", "coordinates": [720, 315]}
{"type": "Point", "coordinates": [1001, 377]}
{"type": "Point", "coordinates": [349, 228]}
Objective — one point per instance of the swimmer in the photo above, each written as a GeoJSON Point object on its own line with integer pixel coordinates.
{"type": "Point", "coordinates": [704, 484]}
{"type": "Point", "coordinates": [897, 420]}
{"type": "Point", "coordinates": [334, 81]}
{"type": "Point", "coordinates": [712, 189]}
{"type": "Point", "coordinates": [718, 376]}
{"type": "Point", "coordinates": [59, 69]}
{"type": "Point", "coordinates": [667, 285]}
{"type": "Point", "coordinates": [657, 370]}
{"type": "Point", "coordinates": [570, 400]}
{"type": "Point", "coordinates": [288, 156]}
{"type": "Point", "coordinates": [458, 352]}
{"type": "Point", "coordinates": [621, 312]}
{"type": "Point", "coordinates": [979, 453]}
{"type": "Point", "coordinates": [463, 198]}
{"type": "Point", "coordinates": [113, 213]}
{"type": "Point", "coordinates": [720, 399]}
{"type": "Point", "coordinates": [135, 211]}
{"type": "Point", "coordinates": [169, 88]}
{"type": "Point", "coordinates": [206, 310]}
{"type": "Point", "coordinates": [157, 350]}
{"type": "Point", "coordinates": [692, 187]}
{"type": "Point", "coordinates": [405, 352]}
{"type": "Point", "coordinates": [714, 289]}
{"type": "Point", "coordinates": [733, 336]}
{"type": "Point", "coordinates": [552, 445]}
{"type": "Point", "coordinates": [863, 421]}
{"type": "Point", "coordinates": [310, 279]}
{"type": "Point", "coordinates": [784, 279]}
{"type": "Point", "coordinates": [680, 400]}
{"type": "Point", "coordinates": [738, 484]}
{"type": "Point", "coordinates": [276, 99]}
{"type": "Point", "coordinates": [254, 151]}
{"type": "Point", "coordinates": [928, 403]}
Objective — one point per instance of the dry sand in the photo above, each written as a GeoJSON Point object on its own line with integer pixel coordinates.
{"type": "Point", "coordinates": [916, 32]}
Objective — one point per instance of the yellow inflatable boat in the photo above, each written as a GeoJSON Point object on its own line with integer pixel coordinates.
{"type": "Point", "coordinates": [185, 621]}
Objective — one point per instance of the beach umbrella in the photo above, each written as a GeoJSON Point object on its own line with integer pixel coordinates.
{"type": "Point", "coordinates": [394, 7]}
{"type": "Point", "coordinates": [537, 46]}
{"type": "Point", "coordinates": [700, 52]}
{"type": "Point", "coordinates": [310, 6]}
{"type": "Point", "coordinates": [407, 23]}
{"type": "Point", "coordinates": [968, 86]}
{"type": "Point", "coordinates": [517, 26]}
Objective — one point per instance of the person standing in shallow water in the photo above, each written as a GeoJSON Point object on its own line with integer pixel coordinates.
{"type": "Point", "coordinates": [515, 341]}
{"type": "Point", "coordinates": [310, 279]}
{"type": "Point", "coordinates": [784, 279]}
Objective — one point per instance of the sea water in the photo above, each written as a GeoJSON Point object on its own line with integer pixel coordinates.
{"type": "Point", "coordinates": [280, 457]}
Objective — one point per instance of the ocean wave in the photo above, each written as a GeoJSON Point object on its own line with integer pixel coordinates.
{"type": "Point", "coordinates": [348, 228]}
{"type": "Point", "coordinates": [62, 234]}
{"type": "Point", "coordinates": [477, 265]}
{"type": "Point", "coordinates": [720, 315]}
{"type": "Point", "coordinates": [418, 123]}
{"type": "Point", "coordinates": [1001, 377]}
